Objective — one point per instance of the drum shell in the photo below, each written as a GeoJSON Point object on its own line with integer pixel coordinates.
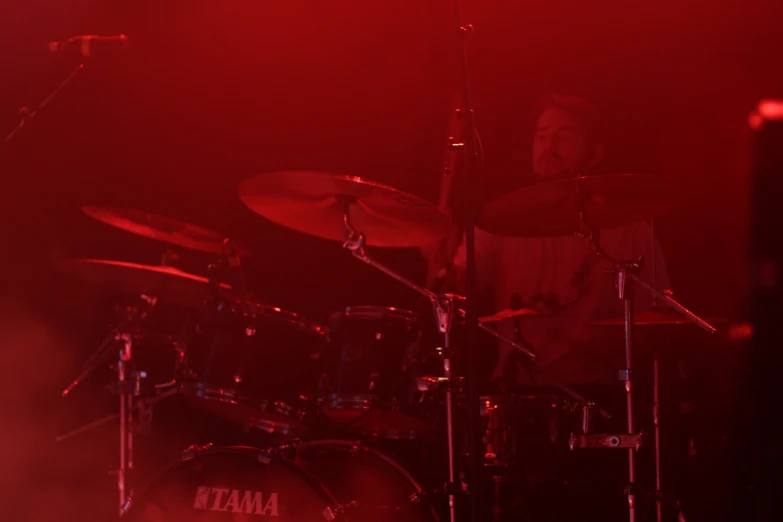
{"type": "Point", "coordinates": [256, 365]}
{"type": "Point", "coordinates": [369, 372]}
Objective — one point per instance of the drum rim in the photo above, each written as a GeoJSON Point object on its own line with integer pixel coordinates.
{"type": "Point", "coordinates": [386, 459]}
{"type": "Point", "coordinates": [278, 314]}
{"type": "Point", "coordinates": [377, 312]}
{"type": "Point", "coordinates": [199, 452]}
{"type": "Point", "coordinates": [332, 400]}
{"type": "Point", "coordinates": [201, 391]}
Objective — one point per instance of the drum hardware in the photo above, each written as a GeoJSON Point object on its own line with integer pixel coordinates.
{"type": "Point", "coordinates": [625, 274]}
{"type": "Point", "coordinates": [436, 384]}
{"type": "Point", "coordinates": [444, 309]}
{"type": "Point", "coordinates": [632, 441]}
{"type": "Point", "coordinates": [143, 407]}
{"type": "Point", "coordinates": [658, 319]}
{"type": "Point", "coordinates": [128, 387]}
{"type": "Point", "coordinates": [26, 115]}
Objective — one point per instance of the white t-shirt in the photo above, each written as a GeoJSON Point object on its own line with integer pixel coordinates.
{"type": "Point", "coordinates": [563, 275]}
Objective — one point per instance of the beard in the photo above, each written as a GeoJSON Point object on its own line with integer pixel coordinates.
{"type": "Point", "coordinates": [551, 167]}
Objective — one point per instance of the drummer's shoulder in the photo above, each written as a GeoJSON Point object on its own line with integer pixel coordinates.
{"type": "Point", "coordinates": [490, 241]}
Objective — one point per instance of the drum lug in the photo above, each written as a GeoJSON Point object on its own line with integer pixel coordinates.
{"type": "Point", "coordinates": [127, 505]}
{"type": "Point", "coordinates": [266, 456]}
{"type": "Point", "coordinates": [330, 513]}
{"type": "Point", "coordinates": [195, 450]}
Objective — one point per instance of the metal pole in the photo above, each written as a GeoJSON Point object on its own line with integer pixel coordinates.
{"type": "Point", "coordinates": [657, 424]}
{"type": "Point", "coordinates": [626, 295]}
{"type": "Point", "coordinates": [472, 176]}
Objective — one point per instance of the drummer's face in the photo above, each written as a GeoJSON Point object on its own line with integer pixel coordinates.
{"type": "Point", "coordinates": [559, 146]}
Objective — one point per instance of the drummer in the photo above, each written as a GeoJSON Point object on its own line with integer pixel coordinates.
{"type": "Point", "coordinates": [561, 277]}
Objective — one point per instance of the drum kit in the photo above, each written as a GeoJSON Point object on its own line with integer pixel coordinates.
{"type": "Point", "coordinates": [366, 373]}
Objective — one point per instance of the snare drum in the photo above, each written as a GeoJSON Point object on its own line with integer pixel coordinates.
{"type": "Point", "coordinates": [256, 365]}
{"type": "Point", "coordinates": [369, 372]}
{"type": "Point", "coordinates": [522, 428]}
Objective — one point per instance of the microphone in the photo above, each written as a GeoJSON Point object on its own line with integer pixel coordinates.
{"type": "Point", "coordinates": [87, 45]}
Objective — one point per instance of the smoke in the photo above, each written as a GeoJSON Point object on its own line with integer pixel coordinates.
{"type": "Point", "coordinates": [41, 480]}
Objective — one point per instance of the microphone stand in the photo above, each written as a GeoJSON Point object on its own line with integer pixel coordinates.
{"type": "Point", "coordinates": [471, 176]}
{"type": "Point", "coordinates": [27, 115]}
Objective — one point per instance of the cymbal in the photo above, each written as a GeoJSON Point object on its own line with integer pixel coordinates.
{"type": "Point", "coordinates": [551, 209]}
{"type": "Point", "coordinates": [657, 318]}
{"type": "Point", "coordinates": [162, 228]}
{"type": "Point", "coordinates": [508, 313]}
{"type": "Point", "coordinates": [163, 282]}
{"type": "Point", "coordinates": [314, 203]}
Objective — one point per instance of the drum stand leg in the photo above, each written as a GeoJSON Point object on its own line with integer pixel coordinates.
{"type": "Point", "coordinates": [626, 294]}
{"type": "Point", "coordinates": [657, 427]}
{"type": "Point", "coordinates": [659, 493]}
{"type": "Point", "coordinates": [126, 409]}
{"type": "Point", "coordinates": [443, 313]}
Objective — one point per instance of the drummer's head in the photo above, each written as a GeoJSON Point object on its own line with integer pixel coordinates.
{"type": "Point", "coordinates": [567, 140]}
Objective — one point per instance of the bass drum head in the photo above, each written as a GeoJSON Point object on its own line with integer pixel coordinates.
{"type": "Point", "coordinates": [308, 482]}
{"type": "Point", "coordinates": [374, 486]}
{"type": "Point", "coordinates": [232, 484]}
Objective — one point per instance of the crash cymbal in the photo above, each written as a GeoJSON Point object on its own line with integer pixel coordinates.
{"type": "Point", "coordinates": [658, 318]}
{"type": "Point", "coordinates": [163, 229]}
{"type": "Point", "coordinates": [508, 313]}
{"type": "Point", "coordinates": [551, 209]}
{"type": "Point", "coordinates": [166, 283]}
{"type": "Point", "coordinates": [314, 203]}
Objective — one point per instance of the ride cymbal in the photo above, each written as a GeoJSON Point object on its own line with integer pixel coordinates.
{"type": "Point", "coordinates": [314, 203]}
{"type": "Point", "coordinates": [162, 228]}
{"type": "Point", "coordinates": [553, 208]}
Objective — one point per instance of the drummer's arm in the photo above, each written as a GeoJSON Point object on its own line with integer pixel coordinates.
{"type": "Point", "coordinates": [487, 261]}
{"type": "Point", "coordinates": [447, 262]}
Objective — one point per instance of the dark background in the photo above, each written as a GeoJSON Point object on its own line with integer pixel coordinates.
{"type": "Point", "coordinates": [213, 92]}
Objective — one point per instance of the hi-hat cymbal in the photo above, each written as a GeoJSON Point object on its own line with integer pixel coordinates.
{"type": "Point", "coordinates": [508, 313]}
{"type": "Point", "coordinates": [657, 318]}
{"type": "Point", "coordinates": [315, 202]}
{"type": "Point", "coordinates": [162, 228]}
{"type": "Point", "coordinates": [166, 283]}
{"type": "Point", "coordinates": [552, 208]}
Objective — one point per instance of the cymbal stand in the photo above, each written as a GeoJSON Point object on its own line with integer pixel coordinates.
{"type": "Point", "coordinates": [626, 274]}
{"type": "Point", "coordinates": [355, 242]}
{"type": "Point", "coordinates": [443, 306]}
{"type": "Point", "coordinates": [128, 387]}
{"type": "Point", "coordinates": [444, 311]}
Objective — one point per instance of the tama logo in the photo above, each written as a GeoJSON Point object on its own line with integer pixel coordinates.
{"type": "Point", "coordinates": [235, 501]}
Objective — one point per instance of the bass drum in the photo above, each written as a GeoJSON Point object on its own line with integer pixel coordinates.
{"type": "Point", "coordinates": [306, 482]}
